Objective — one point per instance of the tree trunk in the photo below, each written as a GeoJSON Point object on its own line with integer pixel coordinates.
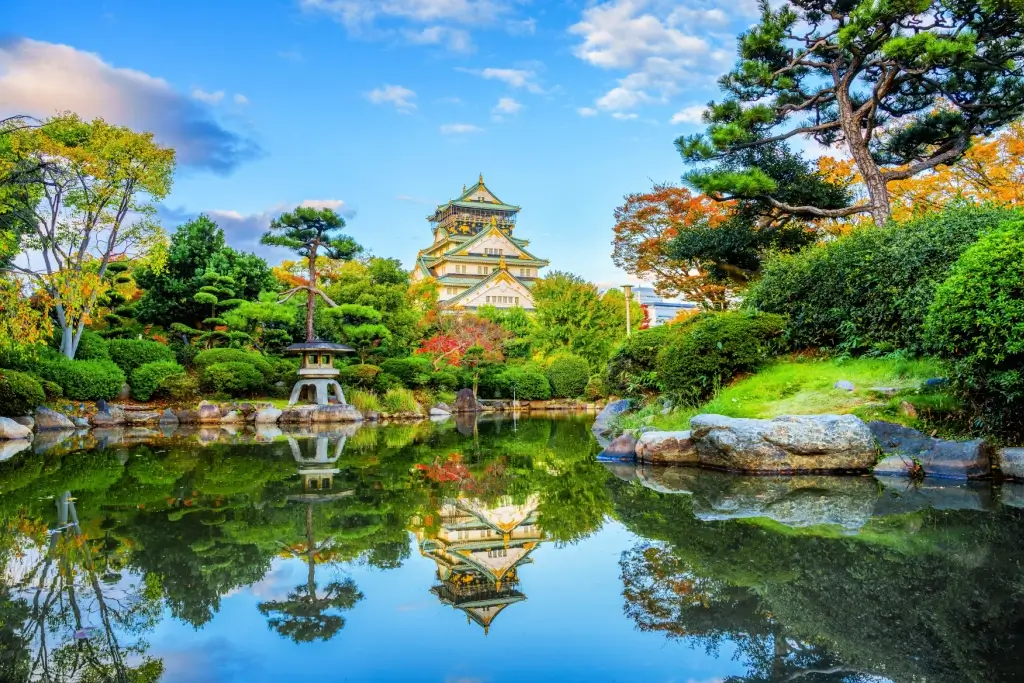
{"type": "Point", "coordinates": [878, 192]}
{"type": "Point", "coordinates": [476, 382]}
{"type": "Point", "coordinates": [310, 552]}
{"type": "Point", "coordinates": [311, 298]}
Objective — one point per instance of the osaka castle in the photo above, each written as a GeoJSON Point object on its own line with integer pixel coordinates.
{"type": "Point", "coordinates": [475, 258]}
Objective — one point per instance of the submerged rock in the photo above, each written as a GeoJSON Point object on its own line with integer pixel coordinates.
{"type": "Point", "coordinates": [937, 457]}
{"type": "Point", "coordinates": [51, 419]}
{"type": "Point", "coordinates": [791, 443]}
{"type": "Point", "coordinates": [622, 448]}
{"type": "Point", "coordinates": [1011, 462]}
{"type": "Point", "coordinates": [666, 448]}
{"type": "Point", "coordinates": [844, 385]}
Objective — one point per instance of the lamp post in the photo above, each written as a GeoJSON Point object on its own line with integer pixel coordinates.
{"type": "Point", "coordinates": [628, 291]}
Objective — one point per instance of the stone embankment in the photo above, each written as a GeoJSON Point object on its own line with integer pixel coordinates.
{"type": "Point", "coordinates": [794, 444]}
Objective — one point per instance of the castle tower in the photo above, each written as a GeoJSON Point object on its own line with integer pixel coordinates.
{"type": "Point", "coordinates": [475, 257]}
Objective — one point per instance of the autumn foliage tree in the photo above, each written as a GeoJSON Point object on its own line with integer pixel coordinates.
{"type": "Point", "coordinates": [467, 341]}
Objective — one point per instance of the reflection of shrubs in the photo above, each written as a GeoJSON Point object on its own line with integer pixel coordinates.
{"type": "Point", "coordinates": [632, 369]}
{"type": "Point", "coordinates": [84, 380]}
{"type": "Point", "coordinates": [20, 394]}
{"type": "Point", "coordinates": [399, 400]}
{"type": "Point", "coordinates": [713, 349]}
{"type": "Point", "coordinates": [871, 289]}
{"type": "Point", "coordinates": [148, 379]}
{"type": "Point", "coordinates": [129, 354]}
{"type": "Point", "coordinates": [233, 378]}
{"type": "Point", "coordinates": [568, 376]}
{"type": "Point", "coordinates": [361, 376]}
{"type": "Point", "coordinates": [521, 382]}
{"type": "Point", "coordinates": [977, 322]}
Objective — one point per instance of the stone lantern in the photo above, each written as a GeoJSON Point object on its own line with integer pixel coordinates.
{"type": "Point", "coordinates": [317, 374]}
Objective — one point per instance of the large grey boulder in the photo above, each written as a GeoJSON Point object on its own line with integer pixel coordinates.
{"type": "Point", "coordinates": [622, 448]}
{"type": "Point", "coordinates": [25, 420]}
{"type": "Point", "coordinates": [169, 419]}
{"type": "Point", "coordinates": [141, 417]}
{"type": "Point", "coordinates": [666, 448]}
{"type": "Point", "coordinates": [465, 402]}
{"type": "Point", "coordinates": [791, 443]}
{"type": "Point", "coordinates": [336, 413]}
{"type": "Point", "coordinates": [268, 416]}
{"type": "Point", "coordinates": [440, 409]}
{"type": "Point", "coordinates": [9, 449]}
{"type": "Point", "coordinates": [602, 423]}
{"type": "Point", "coordinates": [937, 457]}
{"type": "Point", "coordinates": [208, 412]}
{"type": "Point", "coordinates": [9, 429]}
{"type": "Point", "coordinates": [111, 417]}
{"type": "Point", "coordinates": [1011, 462]}
{"type": "Point", "coordinates": [51, 419]}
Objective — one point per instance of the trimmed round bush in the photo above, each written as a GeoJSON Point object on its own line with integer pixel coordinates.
{"type": "Point", "coordinates": [568, 376]}
{"type": "Point", "coordinates": [414, 371]}
{"type": "Point", "coordinates": [713, 349]}
{"type": "Point", "coordinates": [182, 387]}
{"type": "Point", "coordinates": [385, 381]}
{"type": "Point", "coordinates": [632, 368]}
{"type": "Point", "coordinates": [232, 378]}
{"type": "Point", "coordinates": [210, 357]}
{"type": "Point", "coordinates": [84, 380]}
{"type": "Point", "coordinates": [977, 323]}
{"type": "Point", "coordinates": [362, 376]}
{"type": "Point", "coordinates": [148, 379]}
{"type": "Point", "coordinates": [92, 347]}
{"type": "Point", "coordinates": [523, 383]}
{"type": "Point", "coordinates": [444, 380]}
{"type": "Point", "coordinates": [52, 390]}
{"type": "Point", "coordinates": [595, 388]}
{"type": "Point", "coordinates": [20, 394]}
{"type": "Point", "coordinates": [129, 354]}
{"type": "Point", "coordinates": [871, 290]}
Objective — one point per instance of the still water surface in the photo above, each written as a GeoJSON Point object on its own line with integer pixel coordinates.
{"type": "Point", "coordinates": [488, 552]}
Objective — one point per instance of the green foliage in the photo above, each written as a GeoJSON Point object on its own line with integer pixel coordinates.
{"type": "Point", "coordinates": [232, 378]}
{"type": "Point", "coordinates": [568, 376]}
{"type": "Point", "coordinates": [363, 400]}
{"type": "Point", "coordinates": [523, 383]}
{"type": "Point", "coordinates": [632, 368]}
{"type": "Point", "coordinates": [362, 376]}
{"type": "Point", "coordinates": [518, 323]}
{"type": "Point", "coordinates": [714, 349]}
{"type": "Point", "coordinates": [204, 359]}
{"type": "Point", "coordinates": [20, 394]}
{"type": "Point", "coordinates": [84, 380]}
{"type": "Point", "coordinates": [399, 400]}
{"type": "Point", "coordinates": [148, 379]}
{"type": "Point", "coordinates": [183, 387]}
{"type": "Point", "coordinates": [869, 291]}
{"type": "Point", "coordinates": [977, 323]}
{"type": "Point", "coordinates": [595, 389]}
{"type": "Point", "coordinates": [91, 347]}
{"type": "Point", "coordinates": [265, 322]}
{"type": "Point", "coordinates": [385, 381]}
{"type": "Point", "coordinates": [360, 327]}
{"type": "Point", "coordinates": [52, 390]}
{"type": "Point", "coordinates": [130, 354]}
{"type": "Point", "coordinates": [413, 371]}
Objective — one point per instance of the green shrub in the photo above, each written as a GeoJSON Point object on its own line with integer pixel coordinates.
{"type": "Point", "coordinates": [232, 378]}
{"type": "Point", "coordinates": [52, 390]}
{"type": "Point", "coordinates": [871, 290]}
{"type": "Point", "coordinates": [283, 369]}
{"type": "Point", "coordinates": [92, 347]}
{"type": "Point", "coordinates": [977, 323]}
{"type": "Point", "coordinates": [444, 380]}
{"type": "Point", "coordinates": [632, 368]}
{"type": "Point", "coordinates": [361, 376]}
{"type": "Point", "coordinates": [595, 388]}
{"type": "Point", "coordinates": [182, 387]}
{"type": "Point", "coordinates": [363, 400]}
{"type": "Point", "coordinates": [129, 354]}
{"type": "Point", "coordinates": [210, 357]}
{"type": "Point", "coordinates": [568, 376]}
{"type": "Point", "coordinates": [400, 400]}
{"type": "Point", "coordinates": [385, 381]}
{"type": "Point", "coordinates": [713, 349]}
{"type": "Point", "coordinates": [521, 382]}
{"type": "Point", "coordinates": [148, 379]}
{"type": "Point", "coordinates": [184, 352]}
{"type": "Point", "coordinates": [20, 394]}
{"type": "Point", "coordinates": [414, 371]}
{"type": "Point", "coordinates": [84, 380]}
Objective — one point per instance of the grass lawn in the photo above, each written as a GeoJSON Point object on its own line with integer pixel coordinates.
{"type": "Point", "coordinates": [803, 386]}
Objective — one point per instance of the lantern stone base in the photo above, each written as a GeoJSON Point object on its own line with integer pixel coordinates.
{"type": "Point", "coordinates": [320, 389]}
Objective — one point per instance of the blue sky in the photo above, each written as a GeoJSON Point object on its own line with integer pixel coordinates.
{"type": "Point", "coordinates": [384, 108]}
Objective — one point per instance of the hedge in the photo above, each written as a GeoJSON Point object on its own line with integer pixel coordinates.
{"type": "Point", "coordinates": [129, 354]}
{"type": "Point", "coordinates": [522, 383]}
{"type": "Point", "coordinates": [92, 347]}
{"type": "Point", "coordinates": [632, 368]}
{"type": "Point", "coordinates": [233, 378]}
{"type": "Point", "coordinates": [362, 376]}
{"type": "Point", "coordinates": [224, 355]}
{"type": "Point", "coordinates": [414, 371]}
{"type": "Point", "coordinates": [149, 378]}
{"type": "Point", "coordinates": [84, 380]}
{"type": "Point", "coordinates": [714, 348]}
{"type": "Point", "coordinates": [568, 376]}
{"type": "Point", "coordinates": [20, 394]}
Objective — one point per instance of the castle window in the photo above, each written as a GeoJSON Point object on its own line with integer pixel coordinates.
{"type": "Point", "coordinates": [517, 301]}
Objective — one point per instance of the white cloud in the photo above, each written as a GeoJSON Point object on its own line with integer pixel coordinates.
{"type": "Point", "coordinates": [459, 128]}
{"type": "Point", "coordinates": [360, 12]}
{"type": "Point", "coordinates": [454, 39]}
{"type": "Point", "coordinates": [239, 98]}
{"type": "Point", "coordinates": [624, 117]}
{"type": "Point", "coordinates": [506, 105]}
{"type": "Point", "coordinates": [208, 97]}
{"type": "Point", "coordinates": [516, 78]}
{"type": "Point", "coordinates": [40, 79]}
{"type": "Point", "coordinates": [395, 95]}
{"type": "Point", "coordinates": [616, 35]}
{"type": "Point", "coordinates": [690, 114]}
{"type": "Point", "coordinates": [586, 111]}
{"type": "Point", "coordinates": [335, 204]}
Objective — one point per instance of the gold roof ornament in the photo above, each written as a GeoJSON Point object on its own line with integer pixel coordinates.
{"type": "Point", "coordinates": [481, 178]}
{"type": "Point", "coordinates": [501, 263]}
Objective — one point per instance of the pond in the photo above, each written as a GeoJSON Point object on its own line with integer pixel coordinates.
{"type": "Point", "coordinates": [487, 551]}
